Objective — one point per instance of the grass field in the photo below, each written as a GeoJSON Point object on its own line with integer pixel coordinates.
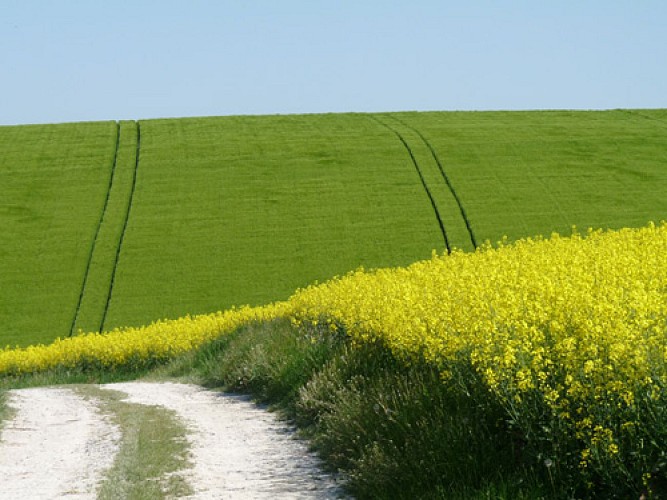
{"type": "Point", "coordinates": [245, 210]}
{"type": "Point", "coordinates": [53, 182]}
{"type": "Point", "coordinates": [534, 370]}
{"type": "Point", "coordinates": [526, 173]}
{"type": "Point", "coordinates": [96, 287]}
{"type": "Point", "coordinates": [108, 224]}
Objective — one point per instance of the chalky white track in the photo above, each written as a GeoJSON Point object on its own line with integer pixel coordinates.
{"type": "Point", "coordinates": [59, 445]}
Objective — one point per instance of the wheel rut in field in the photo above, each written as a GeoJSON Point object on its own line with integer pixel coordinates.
{"type": "Point", "coordinates": [97, 231]}
{"type": "Point", "coordinates": [124, 230]}
{"type": "Point", "coordinates": [420, 172]}
{"type": "Point", "coordinates": [447, 205]}
{"type": "Point", "coordinates": [446, 178]}
{"type": "Point", "coordinates": [103, 259]}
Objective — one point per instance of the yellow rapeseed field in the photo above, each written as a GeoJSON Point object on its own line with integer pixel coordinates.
{"type": "Point", "coordinates": [159, 341]}
{"type": "Point", "coordinates": [567, 333]}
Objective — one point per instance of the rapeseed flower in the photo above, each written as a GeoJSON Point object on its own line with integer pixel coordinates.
{"type": "Point", "coordinates": [569, 334]}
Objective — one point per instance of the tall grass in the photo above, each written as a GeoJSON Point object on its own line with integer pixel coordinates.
{"type": "Point", "coordinates": [393, 431]}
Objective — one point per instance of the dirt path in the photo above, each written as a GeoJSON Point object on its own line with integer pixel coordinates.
{"type": "Point", "coordinates": [59, 444]}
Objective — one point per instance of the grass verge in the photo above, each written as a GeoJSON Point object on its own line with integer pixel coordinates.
{"type": "Point", "coordinates": [393, 431]}
{"type": "Point", "coordinates": [5, 410]}
{"type": "Point", "coordinates": [153, 449]}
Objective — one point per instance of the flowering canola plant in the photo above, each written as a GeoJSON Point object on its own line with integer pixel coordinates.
{"type": "Point", "coordinates": [160, 341]}
{"type": "Point", "coordinates": [569, 334]}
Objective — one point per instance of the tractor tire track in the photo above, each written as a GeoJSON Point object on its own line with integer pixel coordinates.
{"type": "Point", "coordinates": [97, 231]}
{"type": "Point", "coordinates": [421, 177]}
{"type": "Point", "coordinates": [122, 234]}
{"type": "Point", "coordinates": [446, 178]}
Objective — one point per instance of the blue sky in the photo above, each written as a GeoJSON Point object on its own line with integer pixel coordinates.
{"type": "Point", "coordinates": [74, 60]}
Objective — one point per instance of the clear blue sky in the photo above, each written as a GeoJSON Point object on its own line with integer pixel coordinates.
{"type": "Point", "coordinates": [73, 60]}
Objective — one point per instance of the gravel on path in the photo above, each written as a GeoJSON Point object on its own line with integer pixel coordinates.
{"type": "Point", "coordinates": [59, 445]}
{"type": "Point", "coordinates": [239, 450]}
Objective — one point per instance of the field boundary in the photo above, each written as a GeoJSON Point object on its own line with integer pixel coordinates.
{"type": "Point", "coordinates": [421, 177]}
{"type": "Point", "coordinates": [445, 177]}
{"type": "Point", "coordinates": [97, 231]}
{"type": "Point", "coordinates": [122, 234]}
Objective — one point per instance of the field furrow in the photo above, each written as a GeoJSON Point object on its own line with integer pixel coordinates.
{"type": "Point", "coordinates": [447, 206]}
{"type": "Point", "coordinates": [420, 172]}
{"type": "Point", "coordinates": [244, 210]}
{"type": "Point", "coordinates": [97, 232]}
{"type": "Point", "coordinates": [521, 174]}
{"type": "Point", "coordinates": [445, 178]}
{"type": "Point", "coordinates": [123, 231]}
{"type": "Point", "coordinates": [96, 289]}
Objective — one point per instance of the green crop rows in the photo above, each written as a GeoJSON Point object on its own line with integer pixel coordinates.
{"type": "Point", "coordinates": [53, 183]}
{"type": "Point", "coordinates": [245, 210]}
{"type": "Point", "coordinates": [111, 224]}
{"type": "Point", "coordinates": [526, 173]}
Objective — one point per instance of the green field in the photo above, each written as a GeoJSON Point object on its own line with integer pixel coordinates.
{"type": "Point", "coordinates": [526, 173]}
{"type": "Point", "coordinates": [53, 183]}
{"type": "Point", "coordinates": [107, 224]}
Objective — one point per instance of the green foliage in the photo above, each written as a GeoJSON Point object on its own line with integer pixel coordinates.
{"type": "Point", "coordinates": [235, 210]}
{"type": "Point", "coordinates": [526, 173]}
{"type": "Point", "coordinates": [80, 375]}
{"type": "Point", "coordinates": [394, 431]}
{"type": "Point", "coordinates": [270, 360]}
{"type": "Point", "coordinates": [400, 432]}
{"type": "Point", "coordinates": [53, 182]}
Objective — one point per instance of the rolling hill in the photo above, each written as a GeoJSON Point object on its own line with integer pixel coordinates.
{"type": "Point", "coordinates": [108, 224]}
